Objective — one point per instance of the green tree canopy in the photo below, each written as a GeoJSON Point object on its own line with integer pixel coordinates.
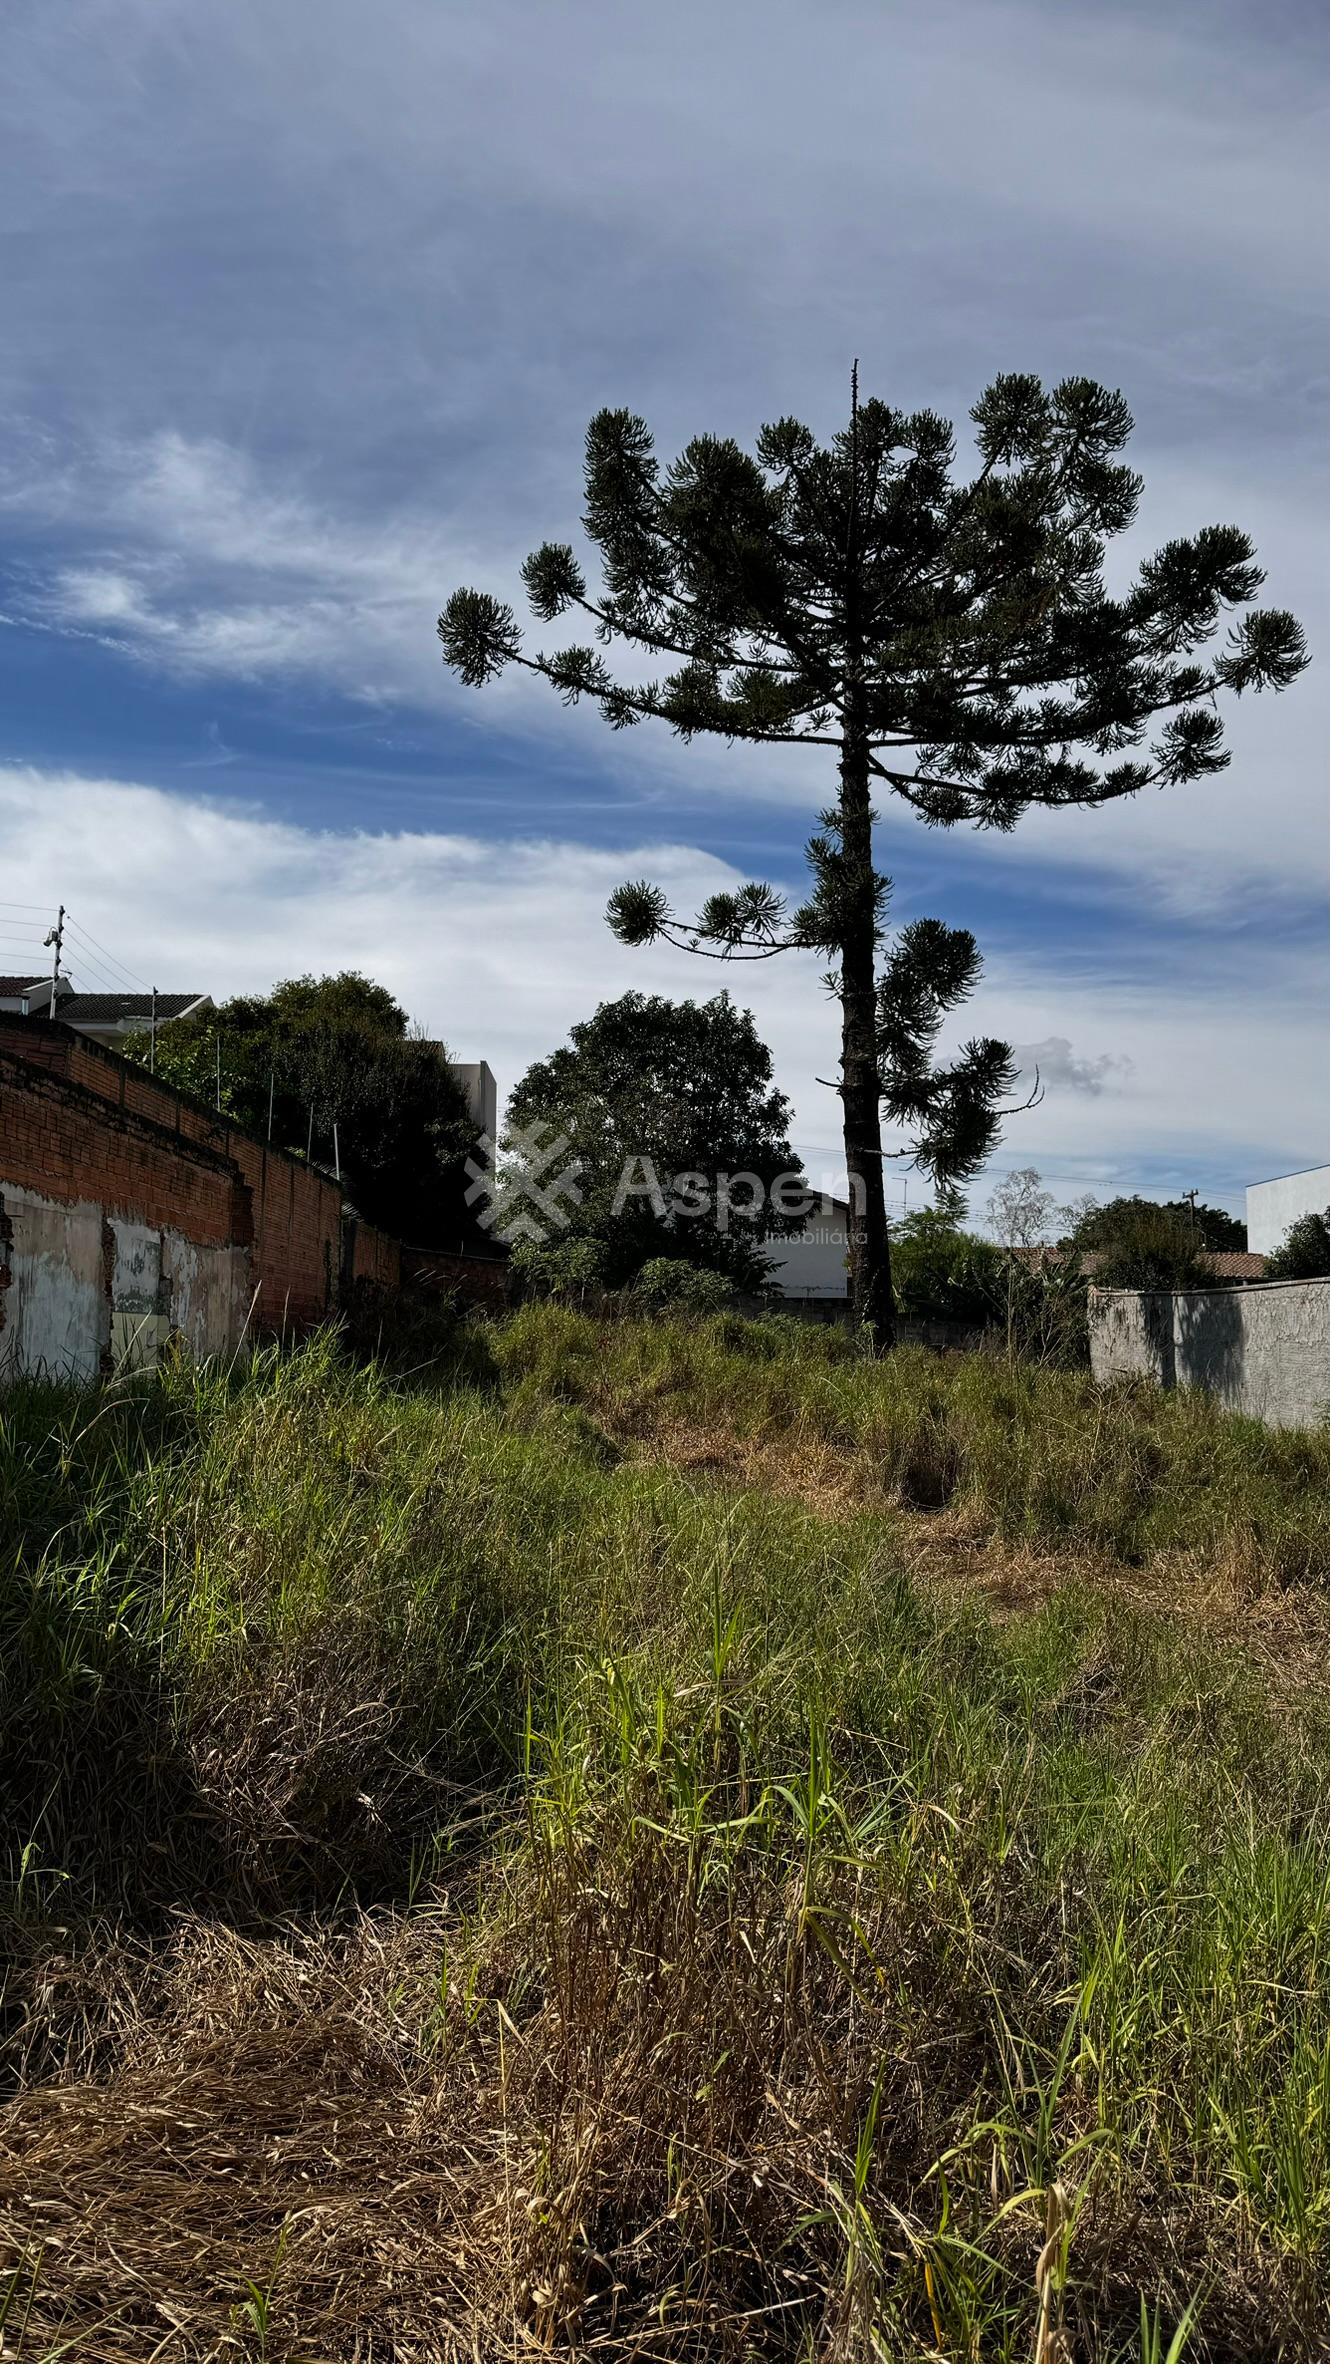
{"type": "Point", "coordinates": [323, 1051]}
{"type": "Point", "coordinates": [648, 1092]}
{"type": "Point", "coordinates": [1139, 1244]}
{"type": "Point", "coordinates": [943, 1273]}
{"type": "Point", "coordinates": [1207, 1227]}
{"type": "Point", "coordinates": [1304, 1251]}
{"type": "Point", "coordinates": [946, 638]}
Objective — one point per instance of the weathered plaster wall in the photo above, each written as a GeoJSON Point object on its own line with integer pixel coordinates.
{"type": "Point", "coordinates": [55, 1311]}
{"type": "Point", "coordinates": [1263, 1350]}
{"type": "Point", "coordinates": [480, 1280]}
{"type": "Point", "coordinates": [289, 1213]}
{"type": "Point", "coordinates": [82, 1292]}
{"type": "Point", "coordinates": [208, 1294]}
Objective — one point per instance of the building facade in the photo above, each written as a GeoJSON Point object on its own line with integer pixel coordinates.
{"type": "Point", "coordinates": [1273, 1205]}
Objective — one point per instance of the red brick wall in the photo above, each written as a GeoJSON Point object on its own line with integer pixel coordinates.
{"type": "Point", "coordinates": [79, 1122]}
{"type": "Point", "coordinates": [376, 1257]}
{"type": "Point", "coordinates": [296, 1213]}
{"type": "Point", "coordinates": [68, 1145]}
{"type": "Point", "coordinates": [482, 1280]}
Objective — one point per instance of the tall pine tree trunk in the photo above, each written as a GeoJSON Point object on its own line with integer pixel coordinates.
{"type": "Point", "coordinates": [861, 1097]}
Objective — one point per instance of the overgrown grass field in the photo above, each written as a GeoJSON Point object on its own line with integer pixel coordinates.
{"type": "Point", "coordinates": [661, 1841]}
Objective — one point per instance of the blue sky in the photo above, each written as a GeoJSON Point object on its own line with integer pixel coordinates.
{"type": "Point", "coordinates": [306, 311]}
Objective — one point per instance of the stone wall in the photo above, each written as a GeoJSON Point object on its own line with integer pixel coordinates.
{"type": "Point", "coordinates": [1263, 1350]}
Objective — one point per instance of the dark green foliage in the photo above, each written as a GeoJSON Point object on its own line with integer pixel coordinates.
{"type": "Point", "coordinates": [992, 648]}
{"type": "Point", "coordinates": [943, 1273]}
{"type": "Point", "coordinates": [647, 1091]}
{"type": "Point", "coordinates": [1209, 1227]}
{"type": "Point", "coordinates": [950, 641]}
{"type": "Point", "coordinates": [1304, 1251]}
{"type": "Point", "coordinates": [336, 1050]}
{"type": "Point", "coordinates": [667, 1284]}
{"type": "Point", "coordinates": [1143, 1246]}
{"type": "Point", "coordinates": [564, 1268]}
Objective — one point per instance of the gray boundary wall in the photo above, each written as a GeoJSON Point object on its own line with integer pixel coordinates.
{"type": "Point", "coordinates": [1262, 1349]}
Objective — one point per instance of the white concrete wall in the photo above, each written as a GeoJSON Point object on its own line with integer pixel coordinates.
{"type": "Point", "coordinates": [57, 1319]}
{"type": "Point", "coordinates": [811, 1263]}
{"type": "Point", "coordinates": [1272, 1206]}
{"type": "Point", "coordinates": [1263, 1350]}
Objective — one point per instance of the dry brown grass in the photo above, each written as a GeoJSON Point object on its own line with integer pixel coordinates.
{"type": "Point", "coordinates": [953, 1549]}
{"type": "Point", "coordinates": [817, 1941]}
{"type": "Point", "coordinates": [628, 2127]}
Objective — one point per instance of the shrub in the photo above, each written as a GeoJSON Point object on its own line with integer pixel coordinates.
{"type": "Point", "coordinates": [944, 1274]}
{"type": "Point", "coordinates": [1141, 1245]}
{"type": "Point", "coordinates": [667, 1283]}
{"type": "Point", "coordinates": [563, 1268]}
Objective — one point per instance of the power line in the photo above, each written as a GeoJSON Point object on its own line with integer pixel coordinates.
{"type": "Point", "coordinates": [84, 962]}
{"type": "Point", "coordinates": [86, 937]}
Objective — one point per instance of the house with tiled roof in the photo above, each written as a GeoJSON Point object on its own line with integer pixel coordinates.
{"type": "Point", "coordinates": [1222, 1264]}
{"type": "Point", "coordinates": [108, 1017]}
{"type": "Point", "coordinates": [26, 996]}
{"type": "Point", "coordinates": [105, 1017]}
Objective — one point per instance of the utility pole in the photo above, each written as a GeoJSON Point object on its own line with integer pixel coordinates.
{"type": "Point", "coordinates": [272, 1086]}
{"type": "Point", "coordinates": [337, 1155]}
{"type": "Point", "coordinates": [152, 1035]}
{"type": "Point", "coordinates": [219, 1070]}
{"type": "Point", "coordinates": [1190, 1197]}
{"type": "Point", "coordinates": [55, 937]}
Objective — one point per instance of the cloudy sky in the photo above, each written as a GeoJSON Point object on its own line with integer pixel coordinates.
{"type": "Point", "coordinates": [306, 310]}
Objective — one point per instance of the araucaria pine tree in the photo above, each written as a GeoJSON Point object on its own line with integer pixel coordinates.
{"type": "Point", "coordinates": [950, 642]}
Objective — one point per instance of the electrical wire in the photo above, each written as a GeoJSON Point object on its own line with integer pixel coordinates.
{"type": "Point", "coordinates": [107, 983]}
{"type": "Point", "coordinates": [84, 936]}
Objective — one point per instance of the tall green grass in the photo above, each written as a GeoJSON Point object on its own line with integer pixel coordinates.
{"type": "Point", "coordinates": [1045, 1455]}
{"type": "Point", "coordinates": [823, 1967]}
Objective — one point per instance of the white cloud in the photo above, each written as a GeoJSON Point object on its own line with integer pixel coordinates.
{"type": "Point", "coordinates": [501, 947]}
{"type": "Point", "coordinates": [1056, 1064]}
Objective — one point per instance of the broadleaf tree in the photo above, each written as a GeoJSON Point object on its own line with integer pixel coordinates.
{"type": "Point", "coordinates": [679, 1136]}
{"type": "Point", "coordinates": [946, 638]}
{"type": "Point", "coordinates": [323, 1051]}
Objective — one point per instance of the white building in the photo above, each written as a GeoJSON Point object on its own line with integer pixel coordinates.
{"type": "Point", "coordinates": [812, 1263]}
{"type": "Point", "coordinates": [1272, 1206]}
{"type": "Point", "coordinates": [476, 1078]}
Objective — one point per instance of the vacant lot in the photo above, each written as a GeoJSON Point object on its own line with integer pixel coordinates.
{"type": "Point", "coordinates": [661, 1842]}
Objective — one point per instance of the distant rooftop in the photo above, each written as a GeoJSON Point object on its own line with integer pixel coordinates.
{"type": "Point", "coordinates": [111, 1009]}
